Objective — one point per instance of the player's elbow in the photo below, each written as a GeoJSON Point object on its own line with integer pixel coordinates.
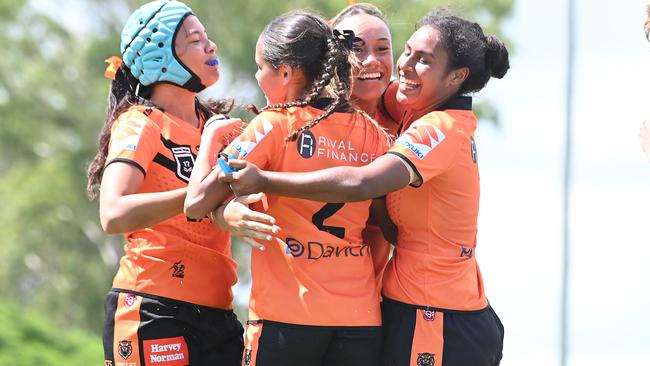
{"type": "Point", "coordinates": [112, 223]}
{"type": "Point", "coordinates": [364, 190]}
{"type": "Point", "coordinates": [192, 207]}
{"type": "Point", "coordinates": [356, 189]}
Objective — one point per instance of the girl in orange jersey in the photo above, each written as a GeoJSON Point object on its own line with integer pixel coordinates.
{"type": "Point", "coordinates": [314, 299]}
{"type": "Point", "coordinates": [434, 309]}
{"type": "Point", "coordinates": [171, 301]}
{"type": "Point", "coordinates": [372, 59]}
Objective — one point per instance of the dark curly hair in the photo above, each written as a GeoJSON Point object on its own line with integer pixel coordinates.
{"type": "Point", "coordinates": [467, 46]}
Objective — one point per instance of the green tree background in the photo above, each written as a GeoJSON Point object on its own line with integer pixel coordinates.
{"type": "Point", "coordinates": [57, 264]}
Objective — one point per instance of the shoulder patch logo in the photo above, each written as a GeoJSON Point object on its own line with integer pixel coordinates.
{"type": "Point", "coordinates": [252, 136]}
{"type": "Point", "coordinates": [426, 359]}
{"type": "Point", "coordinates": [421, 138]}
{"type": "Point", "coordinates": [127, 135]}
{"type": "Point", "coordinates": [125, 349]}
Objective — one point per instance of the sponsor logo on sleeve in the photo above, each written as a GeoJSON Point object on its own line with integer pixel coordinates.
{"type": "Point", "coordinates": [166, 352]}
{"type": "Point", "coordinates": [128, 135]}
{"type": "Point", "coordinates": [421, 138]}
{"type": "Point", "coordinates": [245, 143]}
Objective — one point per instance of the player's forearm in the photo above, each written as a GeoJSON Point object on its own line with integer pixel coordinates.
{"type": "Point", "coordinates": [141, 210]}
{"type": "Point", "coordinates": [340, 184]}
{"type": "Point", "coordinates": [205, 196]}
{"type": "Point", "coordinates": [204, 192]}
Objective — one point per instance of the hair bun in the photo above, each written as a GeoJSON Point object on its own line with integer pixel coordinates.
{"type": "Point", "coordinates": [496, 57]}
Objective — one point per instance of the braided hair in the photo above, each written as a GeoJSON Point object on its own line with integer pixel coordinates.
{"type": "Point", "coordinates": [303, 40]}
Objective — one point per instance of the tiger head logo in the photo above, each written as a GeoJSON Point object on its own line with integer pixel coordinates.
{"type": "Point", "coordinates": [125, 349]}
{"type": "Point", "coordinates": [426, 359]}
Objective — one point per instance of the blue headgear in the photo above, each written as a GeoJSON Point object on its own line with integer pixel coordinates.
{"type": "Point", "coordinates": [148, 45]}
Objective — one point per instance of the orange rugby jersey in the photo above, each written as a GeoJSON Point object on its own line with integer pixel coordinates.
{"type": "Point", "coordinates": [379, 246]}
{"type": "Point", "coordinates": [434, 263]}
{"type": "Point", "coordinates": [317, 271]}
{"type": "Point", "coordinates": [176, 258]}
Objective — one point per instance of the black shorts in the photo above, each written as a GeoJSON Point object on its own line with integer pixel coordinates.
{"type": "Point", "coordinates": [142, 329]}
{"type": "Point", "coordinates": [270, 343]}
{"type": "Point", "coordinates": [423, 336]}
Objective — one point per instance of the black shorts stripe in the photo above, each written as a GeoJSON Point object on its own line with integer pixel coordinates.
{"type": "Point", "coordinates": [108, 333]}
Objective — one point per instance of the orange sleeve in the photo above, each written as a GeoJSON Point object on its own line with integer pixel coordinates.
{"type": "Point", "coordinates": [429, 146]}
{"type": "Point", "coordinates": [261, 141]}
{"type": "Point", "coordinates": [135, 139]}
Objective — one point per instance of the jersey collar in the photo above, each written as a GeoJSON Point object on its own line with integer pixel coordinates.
{"type": "Point", "coordinates": [462, 103]}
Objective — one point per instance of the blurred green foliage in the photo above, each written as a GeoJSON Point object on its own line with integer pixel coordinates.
{"type": "Point", "coordinates": [56, 260]}
{"type": "Point", "coordinates": [29, 338]}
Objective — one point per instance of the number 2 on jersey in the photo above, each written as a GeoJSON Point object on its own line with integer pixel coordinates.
{"type": "Point", "coordinates": [323, 214]}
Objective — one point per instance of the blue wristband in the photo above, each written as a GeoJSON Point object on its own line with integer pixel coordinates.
{"type": "Point", "coordinates": [223, 163]}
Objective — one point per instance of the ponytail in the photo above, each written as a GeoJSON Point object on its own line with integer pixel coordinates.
{"type": "Point", "coordinates": [496, 57]}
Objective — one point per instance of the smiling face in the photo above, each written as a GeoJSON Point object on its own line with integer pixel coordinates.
{"type": "Point", "coordinates": [373, 50]}
{"type": "Point", "coordinates": [196, 51]}
{"type": "Point", "coordinates": [424, 76]}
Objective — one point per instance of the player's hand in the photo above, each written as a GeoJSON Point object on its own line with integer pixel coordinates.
{"type": "Point", "coordinates": [237, 218]}
{"type": "Point", "coordinates": [644, 138]}
{"type": "Point", "coordinates": [247, 180]}
{"type": "Point", "coordinates": [220, 129]}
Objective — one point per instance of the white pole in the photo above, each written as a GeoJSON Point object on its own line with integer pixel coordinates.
{"type": "Point", "coordinates": [564, 327]}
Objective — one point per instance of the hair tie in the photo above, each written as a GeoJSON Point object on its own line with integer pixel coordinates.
{"type": "Point", "coordinates": [114, 64]}
{"type": "Point", "coordinates": [345, 37]}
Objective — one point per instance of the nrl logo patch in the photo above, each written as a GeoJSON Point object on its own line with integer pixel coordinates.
{"type": "Point", "coordinates": [125, 349]}
{"type": "Point", "coordinates": [426, 359]}
{"type": "Point", "coordinates": [184, 162]}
